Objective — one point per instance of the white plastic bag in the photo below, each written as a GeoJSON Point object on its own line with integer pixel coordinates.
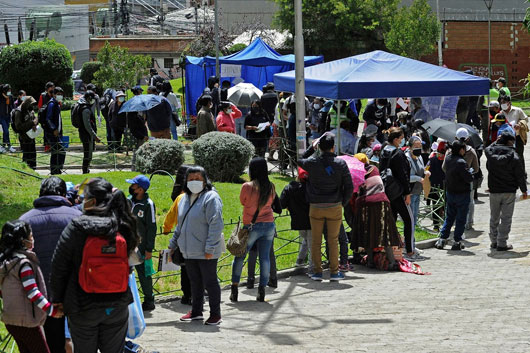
{"type": "Point", "coordinates": [136, 314]}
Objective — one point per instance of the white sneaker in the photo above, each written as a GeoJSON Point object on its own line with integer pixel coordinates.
{"type": "Point", "coordinates": [418, 251]}
{"type": "Point", "coordinates": [11, 149]}
{"type": "Point", "coordinates": [2, 149]}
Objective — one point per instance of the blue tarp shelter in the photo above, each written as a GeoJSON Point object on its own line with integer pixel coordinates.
{"type": "Point", "coordinates": [258, 61]}
{"type": "Point", "coordinates": [379, 74]}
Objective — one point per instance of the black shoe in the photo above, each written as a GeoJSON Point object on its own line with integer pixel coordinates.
{"type": "Point", "coordinates": [250, 283]}
{"type": "Point", "coordinates": [436, 228]}
{"type": "Point", "coordinates": [233, 294]}
{"type": "Point", "coordinates": [185, 300]}
{"type": "Point", "coordinates": [440, 244]}
{"type": "Point", "coordinates": [505, 248]}
{"type": "Point", "coordinates": [261, 294]}
{"type": "Point", "coordinates": [273, 283]}
{"type": "Point", "coordinates": [457, 246]}
{"type": "Point", "coordinates": [493, 246]}
{"type": "Point", "coordinates": [148, 306]}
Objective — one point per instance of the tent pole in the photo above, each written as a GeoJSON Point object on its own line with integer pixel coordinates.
{"type": "Point", "coordinates": [337, 139]}
{"type": "Point", "coordinates": [300, 84]}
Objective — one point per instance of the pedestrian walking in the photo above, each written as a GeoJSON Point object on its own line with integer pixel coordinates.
{"type": "Point", "coordinates": [205, 119]}
{"type": "Point", "coordinates": [505, 176]}
{"type": "Point", "coordinates": [53, 131]}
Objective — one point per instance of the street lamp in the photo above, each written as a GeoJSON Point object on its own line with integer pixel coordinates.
{"type": "Point", "coordinates": [489, 5]}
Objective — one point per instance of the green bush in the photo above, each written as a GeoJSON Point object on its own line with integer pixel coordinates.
{"type": "Point", "coordinates": [31, 64]}
{"type": "Point", "coordinates": [89, 69]}
{"type": "Point", "coordinates": [160, 154]}
{"type": "Point", "coordinates": [67, 104]}
{"type": "Point", "coordinates": [224, 156]}
{"type": "Point", "coordinates": [236, 48]}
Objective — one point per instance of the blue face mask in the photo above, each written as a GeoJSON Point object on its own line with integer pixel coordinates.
{"type": "Point", "coordinates": [380, 107]}
{"type": "Point", "coordinates": [402, 143]}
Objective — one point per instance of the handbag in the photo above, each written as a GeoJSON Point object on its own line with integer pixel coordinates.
{"type": "Point", "coordinates": [237, 243]}
{"type": "Point", "coordinates": [136, 315]}
{"type": "Point", "coordinates": [177, 257]}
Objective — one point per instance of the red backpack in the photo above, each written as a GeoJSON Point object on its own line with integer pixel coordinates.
{"type": "Point", "coordinates": [105, 265]}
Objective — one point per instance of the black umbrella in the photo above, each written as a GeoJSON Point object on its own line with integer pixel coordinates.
{"type": "Point", "coordinates": [447, 130]}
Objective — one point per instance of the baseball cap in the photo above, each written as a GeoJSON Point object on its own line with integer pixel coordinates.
{"type": "Point", "coordinates": [462, 133]}
{"type": "Point", "coordinates": [370, 130]}
{"type": "Point", "coordinates": [141, 180]}
{"type": "Point", "coordinates": [499, 118]}
{"type": "Point", "coordinates": [494, 104]}
{"type": "Point", "coordinates": [507, 128]}
{"type": "Point", "coordinates": [120, 94]}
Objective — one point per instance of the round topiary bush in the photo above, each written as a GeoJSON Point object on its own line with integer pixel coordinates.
{"type": "Point", "coordinates": [159, 154]}
{"type": "Point", "coordinates": [224, 156]}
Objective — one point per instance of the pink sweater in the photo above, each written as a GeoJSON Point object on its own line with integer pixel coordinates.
{"type": "Point", "coordinates": [249, 199]}
{"type": "Point", "coordinates": [225, 122]}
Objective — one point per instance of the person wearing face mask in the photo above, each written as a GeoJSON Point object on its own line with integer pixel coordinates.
{"type": "Point", "coordinates": [505, 176]}
{"type": "Point", "coordinates": [502, 88]}
{"type": "Point", "coordinates": [96, 106]}
{"type": "Point", "coordinates": [519, 121]}
{"type": "Point", "coordinates": [6, 106]}
{"type": "Point", "coordinates": [394, 158]}
{"type": "Point", "coordinates": [495, 124]}
{"type": "Point", "coordinates": [53, 131]}
{"type": "Point", "coordinates": [88, 129]}
{"type": "Point", "coordinates": [205, 119]}
{"type": "Point", "coordinates": [51, 214]}
{"type": "Point", "coordinates": [437, 179]}
{"type": "Point", "coordinates": [377, 113]}
{"type": "Point", "coordinates": [25, 306]}
{"type": "Point", "coordinates": [199, 236]}
{"type": "Point", "coordinates": [118, 121]}
{"type": "Point", "coordinates": [315, 122]}
{"type": "Point", "coordinates": [21, 98]}
{"type": "Point", "coordinates": [143, 208]}
{"type": "Point", "coordinates": [417, 177]}
{"type": "Point", "coordinates": [228, 112]}
{"type": "Point", "coordinates": [259, 138]}
{"type": "Point", "coordinates": [418, 111]}
{"type": "Point", "coordinates": [25, 120]}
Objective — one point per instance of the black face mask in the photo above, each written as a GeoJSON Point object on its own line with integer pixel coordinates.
{"type": "Point", "coordinates": [416, 152]}
{"type": "Point", "coordinates": [255, 110]}
{"type": "Point", "coordinates": [131, 191]}
{"type": "Point", "coordinates": [493, 113]}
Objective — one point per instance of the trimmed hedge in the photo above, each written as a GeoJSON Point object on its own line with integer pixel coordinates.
{"type": "Point", "coordinates": [89, 69]}
{"type": "Point", "coordinates": [159, 154]}
{"type": "Point", "coordinates": [224, 156]}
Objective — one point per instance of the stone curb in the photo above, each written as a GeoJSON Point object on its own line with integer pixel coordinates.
{"type": "Point", "coordinates": [426, 244]}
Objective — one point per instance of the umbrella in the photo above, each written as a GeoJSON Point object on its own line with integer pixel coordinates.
{"type": "Point", "coordinates": [141, 103]}
{"type": "Point", "coordinates": [357, 170]}
{"type": "Point", "coordinates": [243, 94]}
{"type": "Point", "coordinates": [447, 130]}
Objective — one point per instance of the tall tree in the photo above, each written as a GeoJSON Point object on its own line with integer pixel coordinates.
{"type": "Point", "coordinates": [337, 27]}
{"type": "Point", "coordinates": [414, 31]}
{"type": "Point", "coordinates": [119, 67]}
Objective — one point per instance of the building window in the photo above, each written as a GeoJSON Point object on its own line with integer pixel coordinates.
{"type": "Point", "coordinates": [168, 63]}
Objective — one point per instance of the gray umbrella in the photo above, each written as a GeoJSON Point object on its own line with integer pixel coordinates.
{"type": "Point", "coordinates": [243, 94]}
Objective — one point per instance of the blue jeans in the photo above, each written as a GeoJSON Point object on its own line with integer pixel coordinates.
{"type": "Point", "coordinates": [457, 206]}
{"type": "Point", "coordinates": [173, 128]}
{"type": "Point", "coordinates": [263, 234]}
{"type": "Point", "coordinates": [415, 208]}
{"type": "Point", "coordinates": [4, 121]}
{"type": "Point", "coordinates": [240, 127]}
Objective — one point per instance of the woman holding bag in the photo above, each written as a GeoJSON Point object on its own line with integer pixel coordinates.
{"type": "Point", "coordinates": [257, 197]}
{"type": "Point", "coordinates": [199, 236]}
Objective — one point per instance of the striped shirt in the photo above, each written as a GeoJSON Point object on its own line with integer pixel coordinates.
{"type": "Point", "coordinates": [27, 276]}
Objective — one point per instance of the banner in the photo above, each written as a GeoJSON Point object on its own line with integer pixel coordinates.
{"type": "Point", "coordinates": [229, 70]}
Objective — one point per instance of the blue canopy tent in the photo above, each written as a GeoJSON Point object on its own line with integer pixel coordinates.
{"type": "Point", "coordinates": [379, 74]}
{"type": "Point", "coordinates": [258, 61]}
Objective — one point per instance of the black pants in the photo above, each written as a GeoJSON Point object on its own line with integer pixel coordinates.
{"type": "Point", "coordinates": [57, 155]}
{"type": "Point", "coordinates": [399, 207]}
{"type": "Point", "coordinates": [519, 148]}
{"type": "Point", "coordinates": [343, 245]}
{"type": "Point", "coordinates": [185, 282]}
{"type": "Point", "coordinates": [88, 149]}
{"type": "Point", "coordinates": [203, 275]}
{"type": "Point", "coordinates": [54, 331]}
{"type": "Point", "coordinates": [252, 258]}
{"type": "Point", "coordinates": [117, 135]}
{"type": "Point", "coordinates": [110, 137]}
{"type": "Point", "coordinates": [29, 153]}
{"type": "Point", "coordinates": [101, 329]}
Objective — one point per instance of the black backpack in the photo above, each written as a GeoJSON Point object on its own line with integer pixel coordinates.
{"type": "Point", "coordinates": [41, 115]}
{"type": "Point", "coordinates": [393, 189]}
{"type": "Point", "coordinates": [13, 125]}
{"type": "Point", "coordinates": [76, 115]}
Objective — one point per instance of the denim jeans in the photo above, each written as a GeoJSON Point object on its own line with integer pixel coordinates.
{"type": "Point", "coordinates": [4, 121]}
{"type": "Point", "coordinates": [240, 127]}
{"type": "Point", "coordinates": [457, 206]}
{"type": "Point", "coordinates": [415, 208]}
{"type": "Point", "coordinates": [305, 249]}
{"type": "Point", "coordinates": [263, 234]}
{"type": "Point", "coordinates": [173, 128]}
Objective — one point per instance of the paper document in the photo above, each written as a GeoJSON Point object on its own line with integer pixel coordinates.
{"type": "Point", "coordinates": [164, 265]}
{"type": "Point", "coordinates": [262, 126]}
{"type": "Point", "coordinates": [33, 134]}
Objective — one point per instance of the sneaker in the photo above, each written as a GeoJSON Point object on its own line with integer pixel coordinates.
{"type": "Point", "coordinates": [493, 246]}
{"type": "Point", "coordinates": [11, 149]}
{"type": "Point", "coordinates": [213, 320]}
{"type": "Point", "coordinates": [440, 244]}
{"type": "Point", "coordinates": [505, 248]}
{"type": "Point", "coordinates": [414, 257]}
{"type": "Point", "coordinates": [335, 277]}
{"type": "Point", "coordinates": [418, 251]}
{"type": "Point", "coordinates": [190, 317]}
{"type": "Point", "coordinates": [310, 274]}
{"type": "Point", "coordinates": [2, 149]}
{"type": "Point", "coordinates": [457, 245]}
{"type": "Point", "coordinates": [299, 264]}
{"type": "Point", "coordinates": [350, 267]}
{"type": "Point", "coordinates": [316, 276]}
{"type": "Point", "coordinates": [469, 226]}
{"type": "Point", "coordinates": [344, 268]}
{"type": "Point", "coordinates": [148, 306]}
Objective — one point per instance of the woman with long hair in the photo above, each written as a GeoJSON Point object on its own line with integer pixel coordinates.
{"type": "Point", "coordinates": [97, 320]}
{"type": "Point", "coordinates": [259, 137]}
{"type": "Point", "coordinates": [257, 197]}
{"type": "Point", "coordinates": [25, 306]}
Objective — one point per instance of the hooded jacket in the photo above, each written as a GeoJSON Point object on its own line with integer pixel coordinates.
{"type": "Point", "coordinates": [505, 170]}
{"type": "Point", "coordinates": [399, 164]}
{"type": "Point", "coordinates": [88, 129]}
{"type": "Point", "coordinates": [293, 198]}
{"type": "Point", "coordinates": [67, 260]}
{"type": "Point", "coordinates": [457, 175]}
{"type": "Point", "coordinates": [49, 217]}
{"type": "Point", "coordinates": [225, 122]}
{"type": "Point", "coordinates": [23, 119]}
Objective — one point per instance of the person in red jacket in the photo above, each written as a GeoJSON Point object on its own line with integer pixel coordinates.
{"type": "Point", "coordinates": [225, 119]}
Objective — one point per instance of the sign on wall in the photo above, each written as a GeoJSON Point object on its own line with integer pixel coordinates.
{"type": "Point", "coordinates": [229, 70]}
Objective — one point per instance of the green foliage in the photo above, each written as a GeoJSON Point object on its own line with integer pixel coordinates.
{"type": "Point", "coordinates": [224, 156]}
{"type": "Point", "coordinates": [160, 154]}
{"type": "Point", "coordinates": [236, 48]}
{"type": "Point", "coordinates": [89, 69]}
{"type": "Point", "coordinates": [414, 31]}
{"type": "Point", "coordinates": [346, 25]}
{"type": "Point", "coordinates": [119, 68]}
{"type": "Point", "coordinates": [31, 64]}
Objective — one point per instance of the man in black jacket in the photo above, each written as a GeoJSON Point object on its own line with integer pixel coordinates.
{"type": "Point", "coordinates": [136, 124]}
{"type": "Point", "coordinates": [269, 100]}
{"type": "Point", "coordinates": [505, 176]}
{"type": "Point", "coordinates": [329, 188]}
{"type": "Point", "coordinates": [458, 178]}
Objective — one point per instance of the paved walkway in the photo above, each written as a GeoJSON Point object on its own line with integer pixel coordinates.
{"type": "Point", "coordinates": [476, 300]}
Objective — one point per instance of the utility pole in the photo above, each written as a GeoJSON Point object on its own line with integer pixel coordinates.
{"type": "Point", "coordinates": [440, 54]}
{"type": "Point", "coordinates": [6, 30]}
{"type": "Point", "coordinates": [299, 78]}
{"type": "Point", "coordinates": [20, 32]}
{"type": "Point", "coordinates": [489, 5]}
{"type": "Point", "coordinates": [196, 18]}
{"type": "Point", "coordinates": [161, 18]}
{"type": "Point", "coordinates": [217, 67]}
{"type": "Point", "coordinates": [115, 11]}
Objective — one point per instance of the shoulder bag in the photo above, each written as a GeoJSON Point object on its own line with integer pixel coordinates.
{"type": "Point", "coordinates": [237, 243]}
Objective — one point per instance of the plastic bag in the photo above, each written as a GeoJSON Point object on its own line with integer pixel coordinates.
{"type": "Point", "coordinates": [136, 314]}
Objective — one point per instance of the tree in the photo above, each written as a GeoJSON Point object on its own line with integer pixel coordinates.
{"type": "Point", "coordinates": [119, 68]}
{"type": "Point", "coordinates": [204, 44]}
{"type": "Point", "coordinates": [31, 64]}
{"type": "Point", "coordinates": [414, 31]}
{"type": "Point", "coordinates": [89, 69]}
{"type": "Point", "coordinates": [336, 27]}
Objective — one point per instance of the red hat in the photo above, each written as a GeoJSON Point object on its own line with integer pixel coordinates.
{"type": "Point", "coordinates": [302, 174]}
{"type": "Point", "coordinates": [442, 146]}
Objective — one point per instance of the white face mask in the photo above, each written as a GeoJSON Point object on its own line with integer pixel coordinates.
{"type": "Point", "coordinates": [23, 98]}
{"type": "Point", "coordinates": [498, 86]}
{"type": "Point", "coordinates": [229, 111]}
{"type": "Point", "coordinates": [316, 106]}
{"type": "Point", "coordinates": [59, 98]}
{"type": "Point", "coordinates": [121, 99]}
{"type": "Point", "coordinates": [195, 186]}
{"type": "Point", "coordinates": [504, 106]}
{"type": "Point", "coordinates": [380, 107]}
{"type": "Point", "coordinates": [9, 93]}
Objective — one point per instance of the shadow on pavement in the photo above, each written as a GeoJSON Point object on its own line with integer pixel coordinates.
{"type": "Point", "coordinates": [460, 253]}
{"type": "Point", "coordinates": [507, 254]}
{"type": "Point", "coordinates": [366, 321]}
{"type": "Point", "coordinates": [471, 234]}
